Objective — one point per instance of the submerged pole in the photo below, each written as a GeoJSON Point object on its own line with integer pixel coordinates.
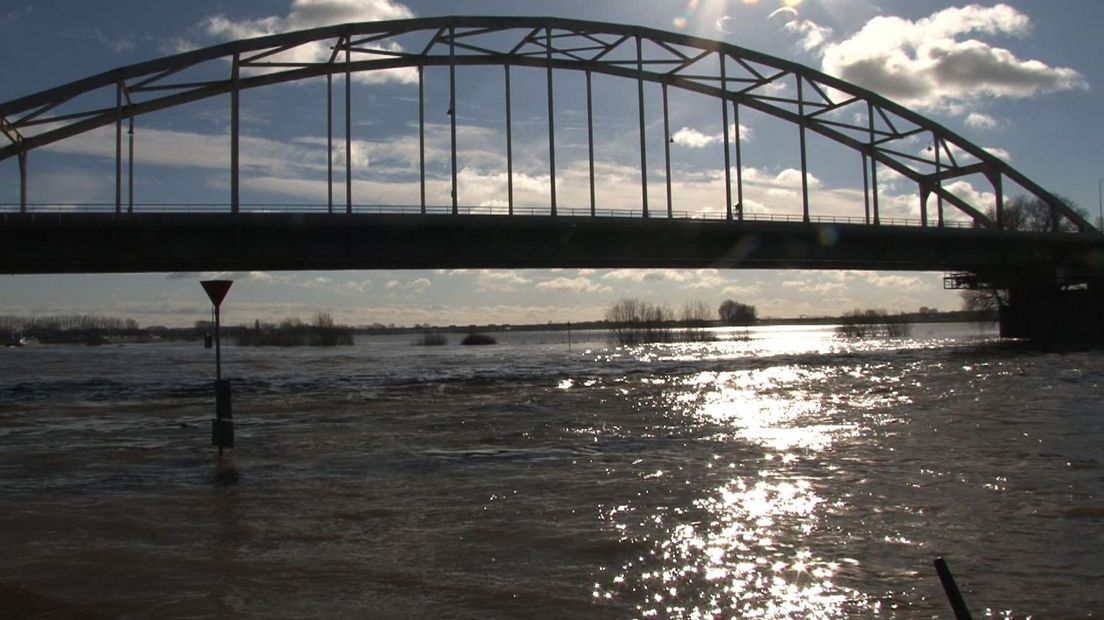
{"type": "Point", "coordinates": [958, 604]}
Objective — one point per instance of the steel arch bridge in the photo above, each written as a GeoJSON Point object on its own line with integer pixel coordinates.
{"type": "Point", "coordinates": [953, 234]}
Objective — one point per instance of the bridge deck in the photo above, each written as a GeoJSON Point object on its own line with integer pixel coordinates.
{"type": "Point", "coordinates": [163, 242]}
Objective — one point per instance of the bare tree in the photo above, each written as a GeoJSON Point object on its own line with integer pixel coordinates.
{"type": "Point", "coordinates": [735, 313]}
{"type": "Point", "coordinates": [1024, 213]}
{"type": "Point", "coordinates": [632, 321]}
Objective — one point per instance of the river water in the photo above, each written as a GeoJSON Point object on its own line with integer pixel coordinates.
{"type": "Point", "coordinates": [777, 473]}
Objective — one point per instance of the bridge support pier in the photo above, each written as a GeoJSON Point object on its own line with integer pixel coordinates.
{"type": "Point", "coordinates": [1050, 315]}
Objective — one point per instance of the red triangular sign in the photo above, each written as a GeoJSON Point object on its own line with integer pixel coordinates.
{"type": "Point", "coordinates": [216, 290]}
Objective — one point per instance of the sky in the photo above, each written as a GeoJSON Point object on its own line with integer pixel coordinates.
{"type": "Point", "coordinates": [1020, 78]}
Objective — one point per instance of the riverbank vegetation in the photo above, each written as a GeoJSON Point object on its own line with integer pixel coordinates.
{"type": "Point", "coordinates": [476, 338]}
{"type": "Point", "coordinates": [873, 323]}
{"type": "Point", "coordinates": [430, 339]}
{"type": "Point", "coordinates": [695, 318]}
{"type": "Point", "coordinates": [634, 321]}
{"type": "Point", "coordinates": [292, 332]}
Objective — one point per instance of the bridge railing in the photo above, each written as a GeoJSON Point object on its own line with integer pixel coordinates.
{"type": "Point", "coordinates": [498, 210]}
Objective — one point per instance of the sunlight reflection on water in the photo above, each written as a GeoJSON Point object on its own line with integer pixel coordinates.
{"type": "Point", "coordinates": [746, 553]}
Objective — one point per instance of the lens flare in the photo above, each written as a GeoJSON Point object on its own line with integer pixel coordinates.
{"type": "Point", "coordinates": [786, 10]}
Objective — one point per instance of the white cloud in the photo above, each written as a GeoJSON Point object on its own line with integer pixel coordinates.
{"type": "Point", "coordinates": [416, 286]}
{"type": "Point", "coordinates": [573, 285]}
{"type": "Point", "coordinates": [706, 279]}
{"type": "Point", "coordinates": [692, 138]}
{"type": "Point", "coordinates": [646, 275]}
{"type": "Point", "coordinates": [821, 287]}
{"type": "Point", "coordinates": [978, 120]}
{"type": "Point", "coordinates": [999, 152]}
{"type": "Point", "coordinates": [966, 191]}
{"type": "Point", "coordinates": [306, 14]}
{"type": "Point", "coordinates": [309, 14]}
{"type": "Point", "coordinates": [812, 35]}
{"type": "Point", "coordinates": [204, 150]}
{"type": "Point", "coordinates": [791, 178]}
{"type": "Point", "coordinates": [742, 291]}
{"type": "Point", "coordinates": [355, 287]}
{"type": "Point", "coordinates": [262, 276]}
{"type": "Point", "coordinates": [689, 279]}
{"type": "Point", "coordinates": [896, 282]}
{"type": "Point", "coordinates": [500, 281]}
{"type": "Point", "coordinates": [931, 63]}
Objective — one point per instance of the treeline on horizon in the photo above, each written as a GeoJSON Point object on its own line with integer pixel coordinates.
{"type": "Point", "coordinates": [633, 321]}
{"type": "Point", "coordinates": [70, 328]}
{"type": "Point", "coordinates": [293, 332]}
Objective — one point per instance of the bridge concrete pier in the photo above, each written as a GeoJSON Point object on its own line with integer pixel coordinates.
{"type": "Point", "coordinates": [1052, 316]}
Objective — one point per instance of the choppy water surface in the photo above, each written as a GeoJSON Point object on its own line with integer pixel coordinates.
{"type": "Point", "coordinates": [788, 475]}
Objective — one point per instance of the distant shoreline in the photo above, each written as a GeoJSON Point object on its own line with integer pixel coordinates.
{"type": "Point", "coordinates": [957, 316]}
{"type": "Point", "coordinates": [99, 336]}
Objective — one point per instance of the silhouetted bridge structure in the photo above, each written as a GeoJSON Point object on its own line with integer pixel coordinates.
{"type": "Point", "coordinates": [1054, 274]}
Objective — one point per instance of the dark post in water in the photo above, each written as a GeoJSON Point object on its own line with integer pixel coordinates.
{"type": "Point", "coordinates": [222, 427]}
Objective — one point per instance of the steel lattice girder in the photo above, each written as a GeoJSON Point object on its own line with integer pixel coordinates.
{"type": "Point", "coordinates": [844, 113]}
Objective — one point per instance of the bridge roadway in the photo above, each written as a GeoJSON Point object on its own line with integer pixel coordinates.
{"type": "Point", "coordinates": [173, 242]}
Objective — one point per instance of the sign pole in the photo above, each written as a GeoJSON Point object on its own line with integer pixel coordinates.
{"type": "Point", "coordinates": [218, 345]}
{"type": "Point", "coordinates": [222, 427]}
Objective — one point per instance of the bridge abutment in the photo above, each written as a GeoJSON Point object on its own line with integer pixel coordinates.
{"type": "Point", "coordinates": [1050, 315]}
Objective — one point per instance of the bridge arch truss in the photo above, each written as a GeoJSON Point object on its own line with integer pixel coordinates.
{"type": "Point", "coordinates": [884, 135]}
